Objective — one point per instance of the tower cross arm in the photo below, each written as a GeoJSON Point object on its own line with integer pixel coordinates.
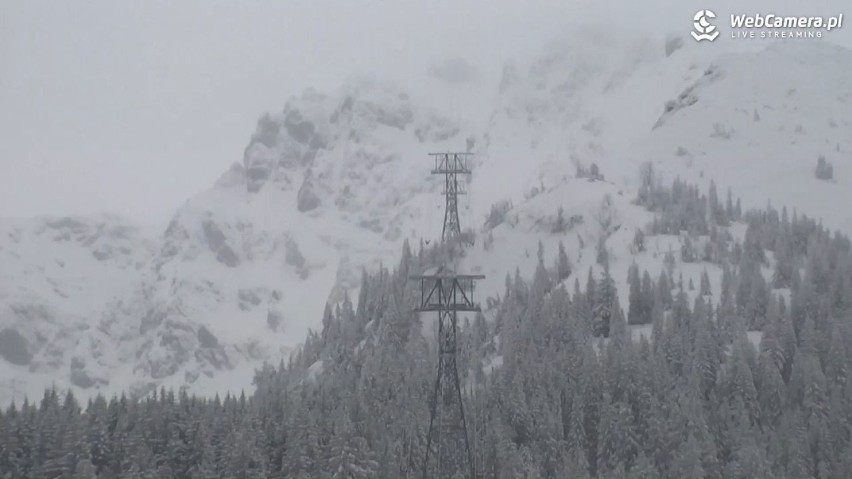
{"type": "Point", "coordinates": [448, 170]}
{"type": "Point", "coordinates": [450, 276]}
{"type": "Point", "coordinates": [447, 292]}
{"type": "Point", "coordinates": [460, 307]}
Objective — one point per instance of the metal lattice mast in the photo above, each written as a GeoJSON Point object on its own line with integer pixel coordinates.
{"type": "Point", "coordinates": [447, 442]}
{"type": "Point", "coordinates": [451, 165]}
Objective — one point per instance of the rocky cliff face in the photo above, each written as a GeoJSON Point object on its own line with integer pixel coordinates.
{"type": "Point", "coordinates": [63, 286]}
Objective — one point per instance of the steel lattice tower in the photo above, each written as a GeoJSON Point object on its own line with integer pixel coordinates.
{"type": "Point", "coordinates": [447, 442]}
{"type": "Point", "coordinates": [451, 165]}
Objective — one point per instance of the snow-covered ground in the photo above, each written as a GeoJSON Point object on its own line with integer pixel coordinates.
{"type": "Point", "coordinates": [336, 181]}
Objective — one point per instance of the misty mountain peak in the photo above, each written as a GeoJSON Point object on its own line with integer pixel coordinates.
{"type": "Point", "coordinates": [335, 181]}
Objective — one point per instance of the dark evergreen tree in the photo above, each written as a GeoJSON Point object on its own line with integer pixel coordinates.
{"type": "Point", "coordinates": [635, 308]}
{"type": "Point", "coordinates": [563, 264]}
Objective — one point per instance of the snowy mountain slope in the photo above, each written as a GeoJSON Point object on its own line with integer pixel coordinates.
{"type": "Point", "coordinates": [758, 124]}
{"type": "Point", "coordinates": [62, 283]}
{"type": "Point", "coordinates": [613, 105]}
{"type": "Point", "coordinates": [591, 210]}
{"type": "Point", "coordinates": [335, 182]}
{"type": "Point", "coordinates": [753, 119]}
{"type": "Point", "coordinates": [327, 187]}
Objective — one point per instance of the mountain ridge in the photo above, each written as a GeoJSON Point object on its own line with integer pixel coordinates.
{"type": "Point", "coordinates": [333, 183]}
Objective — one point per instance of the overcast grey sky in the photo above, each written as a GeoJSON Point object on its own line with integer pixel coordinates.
{"type": "Point", "coordinates": [133, 106]}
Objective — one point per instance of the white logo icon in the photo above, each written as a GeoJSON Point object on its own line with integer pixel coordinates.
{"type": "Point", "coordinates": [703, 29]}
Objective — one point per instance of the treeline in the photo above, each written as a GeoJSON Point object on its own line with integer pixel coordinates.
{"type": "Point", "coordinates": [554, 384]}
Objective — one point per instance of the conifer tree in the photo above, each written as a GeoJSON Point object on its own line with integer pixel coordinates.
{"type": "Point", "coordinates": [635, 308]}
{"type": "Point", "coordinates": [563, 264]}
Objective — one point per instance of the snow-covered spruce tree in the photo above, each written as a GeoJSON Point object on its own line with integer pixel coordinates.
{"type": "Point", "coordinates": [560, 225]}
{"type": "Point", "coordinates": [349, 455]}
{"type": "Point", "coordinates": [563, 264]}
{"type": "Point", "coordinates": [824, 169]}
{"type": "Point", "coordinates": [635, 308]}
{"type": "Point", "coordinates": [687, 251]}
{"type": "Point", "coordinates": [704, 285]}
{"type": "Point", "coordinates": [639, 241]}
{"type": "Point", "coordinates": [601, 253]}
{"type": "Point", "coordinates": [647, 295]}
{"type": "Point", "coordinates": [605, 301]}
{"type": "Point", "coordinates": [497, 214]}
